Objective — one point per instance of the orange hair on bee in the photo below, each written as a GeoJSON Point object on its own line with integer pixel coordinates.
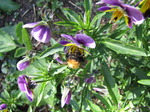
{"type": "Point", "coordinates": [72, 63]}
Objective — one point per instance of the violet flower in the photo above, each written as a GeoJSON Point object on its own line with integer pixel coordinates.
{"type": "Point", "coordinates": [90, 80]}
{"type": "Point", "coordinates": [74, 50]}
{"type": "Point", "coordinates": [22, 64]}
{"type": "Point", "coordinates": [66, 97]}
{"type": "Point", "coordinates": [3, 106]}
{"type": "Point", "coordinates": [78, 40]}
{"type": "Point", "coordinates": [26, 86]}
{"type": "Point", "coordinates": [41, 31]}
{"type": "Point", "coordinates": [131, 14]}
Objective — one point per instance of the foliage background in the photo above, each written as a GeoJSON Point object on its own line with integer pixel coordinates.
{"type": "Point", "coordinates": [120, 62]}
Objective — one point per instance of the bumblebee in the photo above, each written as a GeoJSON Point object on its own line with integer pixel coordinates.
{"type": "Point", "coordinates": [75, 56]}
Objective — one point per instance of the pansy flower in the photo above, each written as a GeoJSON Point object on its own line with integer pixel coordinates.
{"type": "Point", "coordinates": [145, 8]}
{"type": "Point", "coordinates": [90, 80]}
{"type": "Point", "coordinates": [119, 9]}
{"type": "Point", "coordinates": [3, 106]}
{"type": "Point", "coordinates": [22, 64]}
{"type": "Point", "coordinates": [26, 86]}
{"type": "Point", "coordinates": [74, 50]}
{"type": "Point", "coordinates": [78, 40]}
{"type": "Point", "coordinates": [66, 97]}
{"type": "Point", "coordinates": [41, 31]}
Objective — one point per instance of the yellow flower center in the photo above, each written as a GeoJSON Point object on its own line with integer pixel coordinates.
{"type": "Point", "coordinates": [145, 6]}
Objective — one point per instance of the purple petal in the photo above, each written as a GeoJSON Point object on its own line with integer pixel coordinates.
{"type": "Point", "coordinates": [41, 33]}
{"type": "Point", "coordinates": [63, 42]}
{"type": "Point", "coordinates": [3, 106]}
{"type": "Point", "coordinates": [85, 40]}
{"type": "Point", "coordinates": [113, 2]}
{"type": "Point", "coordinates": [101, 3]}
{"type": "Point", "coordinates": [90, 80]}
{"type": "Point", "coordinates": [30, 25]}
{"type": "Point", "coordinates": [24, 86]}
{"type": "Point", "coordinates": [29, 95]}
{"type": "Point", "coordinates": [70, 38]}
{"type": "Point", "coordinates": [22, 64]}
{"type": "Point", "coordinates": [101, 90]}
{"type": "Point", "coordinates": [22, 83]}
{"type": "Point", "coordinates": [68, 98]}
{"type": "Point", "coordinates": [135, 15]}
{"type": "Point", "coordinates": [104, 8]}
{"type": "Point", "coordinates": [58, 59]}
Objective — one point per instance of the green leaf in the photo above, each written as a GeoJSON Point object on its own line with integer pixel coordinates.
{"type": "Point", "coordinates": [93, 107]}
{"type": "Point", "coordinates": [87, 68]}
{"type": "Point", "coordinates": [26, 39]}
{"type": "Point", "coordinates": [118, 33]}
{"type": "Point", "coordinates": [148, 74]}
{"type": "Point", "coordinates": [88, 5]}
{"type": "Point", "coordinates": [30, 109]}
{"type": "Point", "coordinates": [20, 52]}
{"type": "Point", "coordinates": [139, 31]}
{"type": "Point", "coordinates": [105, 27]}
{"type": "Point", "coordinates": [58, 69]}
{"type": "Point", "coordinates": [40, 94]}
{"type": "Point", "coordinates": [110, 83]}
{"type": "Point", "coordinates": [52, 50]}
{"type": "Point", "coordinates": [102, 99]}
{"type": "Point", "coordinates": [66, 23]}
{"type": "Point", "coordinates": [144, 82]}
{"type": "Point", "coordinates": [10, 30]}
{"type": "Point", "coordinates": [6, 43]}
{"type": "Point", "coordinates": [120, 47]}
{"type": "Point", "coordinates": [19, 32]}
{"type": "Point", "coordinates": [97, 17]}
{"type": "Point", "coordinates": [71, 15]}
{"type": "Point", "coordinates": [75, 104]}
{"type": "Point", "coordinates": [87, 14]}
{"type": "Point", "coordinates": [8, 5]}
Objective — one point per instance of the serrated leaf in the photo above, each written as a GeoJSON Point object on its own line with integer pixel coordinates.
{"type": "Point", "coordinates": [93, 107]}
{"type": "Point", "coordinates": [6, 43]}
{"type": "Point", "coordinates": [119, 47]}
{"type": "Point", "coordinates": [8, 5]}
{"type": "Point", "coordinates": [144, 82]}
{"type": "Point", "coordinates": [26, 39]}
{"type": "Point", "coordinates": [52, 50]}
{"type": "Point", "coordinates": [20, 52]}
{"type": "Point", "coordinates": [110, 83]}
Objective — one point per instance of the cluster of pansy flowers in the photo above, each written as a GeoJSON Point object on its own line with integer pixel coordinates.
{"type": "Point", "coordinates": [130, 13]}
{"type": "Point", "coordinates": [41, 32]}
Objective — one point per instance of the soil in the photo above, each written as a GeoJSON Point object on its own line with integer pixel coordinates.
{"type": "Point", "coordinates": [29, 11]}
